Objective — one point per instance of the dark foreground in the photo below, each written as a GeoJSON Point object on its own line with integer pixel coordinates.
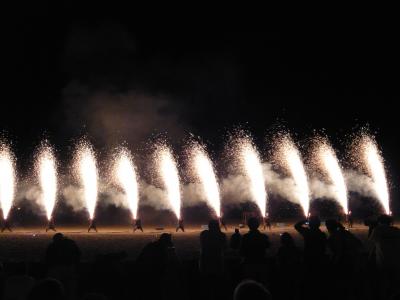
{"type": "Point", "coordinates": [109, 267]}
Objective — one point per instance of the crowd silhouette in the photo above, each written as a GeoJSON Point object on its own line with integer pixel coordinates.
{"type": "Point", "coordinates": [332, 264]}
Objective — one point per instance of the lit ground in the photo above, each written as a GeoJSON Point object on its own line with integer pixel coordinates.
{"type": "Point", "coordinates": [29, 244]}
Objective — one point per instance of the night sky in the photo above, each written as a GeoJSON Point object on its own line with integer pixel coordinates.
{"type": "Point", "coordinates": [116, 80]}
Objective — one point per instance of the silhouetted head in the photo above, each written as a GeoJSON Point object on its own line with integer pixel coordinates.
{"type": "Point", "coordinates": [250, 289]}
{"type": "Point", "coordinates": [385, 220]}
{"type": "Point", "coordinates": [47, 289]}
{"type": "Point", "coordinates": [166, 240]}
{"type": "Point", "coordinates": [331, 225]}
{"type": "Point", "coordinates": [287, 239]}
{"type": "Point", "coordinates": [314, 222]}
{"type": "Point", "coordinates": [253, 223]}
{"type": "Point", "coordinates": [213, 225]}
{"type": "Point", "coordinates": [58, 237]}
{"type": "Point", "coordinates": [236, 230]}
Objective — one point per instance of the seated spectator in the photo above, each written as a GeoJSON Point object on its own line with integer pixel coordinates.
{"type": "Point", "coordinates": [47, 289]}
{"type": "Point", "coordinates": [250, 289]}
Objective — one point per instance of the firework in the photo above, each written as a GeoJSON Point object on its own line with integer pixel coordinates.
{"type": "Point", "coordinates": [290, 157]}
{"type": "Point", "coordinates": [374, 165]}
{"type": "Point", "coordinates": [126, 178]}
{"type": "Point", "coordinates": [252, 168]}
{"type": "Point", "coordinates": [331, 167]}
{"type": "Point", "coordinates": [168, 172]}
{"type": "Point", "coordinates": [204, 172]}
{"type": "Point", "coordinates": [86, 169]}
{"type": "Point", "coordinates": [46, 169]}
{"type": "Point", "coordinates": [7, 179]}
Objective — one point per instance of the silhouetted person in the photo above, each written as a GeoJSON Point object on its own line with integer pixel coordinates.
{"type": "Point", "coordinates": [51, 226]}
{"type": "Point", "coordinates": [251, 290]}
{"type": "Point", "coordinates": [47, 289]}
{"type": "Point", "coordinates": [137, 225]}
{"type": "Point", "coordinates": [371, 224]}
{"type": "Point", "coordinates": [289, 262]}
{"type": "Point", "coordinates": [6, 226]}
{"type": "Point", "coordinates": [92, 225]}
{"type": "Point", "coordinates": [212, 247]}
{"type": "Point", "coordinates": [180, 226]}
{"type": "Point", "coordinates": [289, 256]}
{"type": "Point", "coordinates": [236, 240]}
{"type": "Point", "coordinates": [314, 240]}
{"type": "Point", "coordinates": [157, 263]}
{"type": "Point", "coordinates": [345, 247]}
{"type": "Point", "coordinates": [62, 251]}
{"type": "Point", "coordinates": [385, 248]}
{"type": "Point", "coordinates": [254, 243]}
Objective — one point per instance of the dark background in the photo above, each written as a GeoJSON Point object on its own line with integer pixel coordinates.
{"type": "Point", "coordinates": [117, 80]}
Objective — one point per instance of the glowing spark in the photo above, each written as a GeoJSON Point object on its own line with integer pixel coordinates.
{"type": "Point", "coordinates": [206, 175]}
{"type": "Point", "coordinates": [170, 176]}
{"type": "Point", "coordinates": [127, 180]}
{"type": "Point", "coordinates": [292, 159]}
{"type": "Point", "coordinates": [376, 169]}
{"type": "Point", "coordinates": [87, 172]}
{"type": "Point", "coordinates": [47, 173]}
{"type": "Point", "coordinates": [7, 179]}
{"type": "Point", "coordinates": [251, 163]}
{"type": "Point", "coordinates": [332, 168]}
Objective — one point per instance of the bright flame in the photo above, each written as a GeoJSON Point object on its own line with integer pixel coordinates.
{"type": "Point", "coordinates": [170, 176]}
{"type": "Point", "coordinates": [376, 169]}
{"type": "Point", "coordinates": [47, 172]}
{"type": "Point", "coordinates": [87, 171]}
{"type": "Point", "coordinates": [292, 159]}
{"type": "Point", "coordinates": [332, 168]}
{"type": "Point", "coordinates": [251, 163]}
{"type": "Point", "coordinates": [7, 180]}
{"type": "Point", "coordinates": [206, 175]}
{"type": "Point", "coordinates": [127, 180]}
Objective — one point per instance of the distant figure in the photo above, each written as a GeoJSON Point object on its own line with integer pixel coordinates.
{"type": "Point", "coordinates": [6, 226]}
{"type": "Point", "coordinates": [267, 222]}
{"type": "Point", "coordinates": [385, 248]}
{"type": "Point", "coordinates": [137, 225]}
{"type": "Point", "coordinates": [250, 289]}
{"type": "Point", "coordinates": [314, 241]}
{"type": "Point", "coordinates": [51, 226]}
{"type": "Point", "coordinates": [92, 225]}
{"type": "Point", "coordinates": [349, 219]}
{"type": "Point", "coordinates": [254, 243]}
{"type": "Point", "coordinates": [212, 245]}
{"type": "Point", "coordinates": [180, 226]}
{"type": "Point", "coordinates": [236, 240]}
{"type": "Point", "coordinates": [222, 223]}
{"type": "Point", "coordinates": [47, 289]}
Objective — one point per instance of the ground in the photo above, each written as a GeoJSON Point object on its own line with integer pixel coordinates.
{"type": "Point", "coordinates": [29, 244]}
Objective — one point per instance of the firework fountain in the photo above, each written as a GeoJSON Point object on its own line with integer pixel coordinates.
{"type": "Point", "coordinates": [86, 169]}
{"type": "Point", "coordinates": [7, 183]}
{"type": "Point", "coordinates": [46, 169]}
{"type": "Point", "coordinates": [330, 166]}
{"type": "Point", "coordinates": [168, 172]}
{"type": "Point", "coordinates": [252, 168]}
{"type": "Point", "coordinates": [290, 157]}
{"type": "Point", "coordinates": [204, 172]}
{"type": "Point", "coordinates": [373, 162]}
{"type": "Point", "coordinates": [125, 175]}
